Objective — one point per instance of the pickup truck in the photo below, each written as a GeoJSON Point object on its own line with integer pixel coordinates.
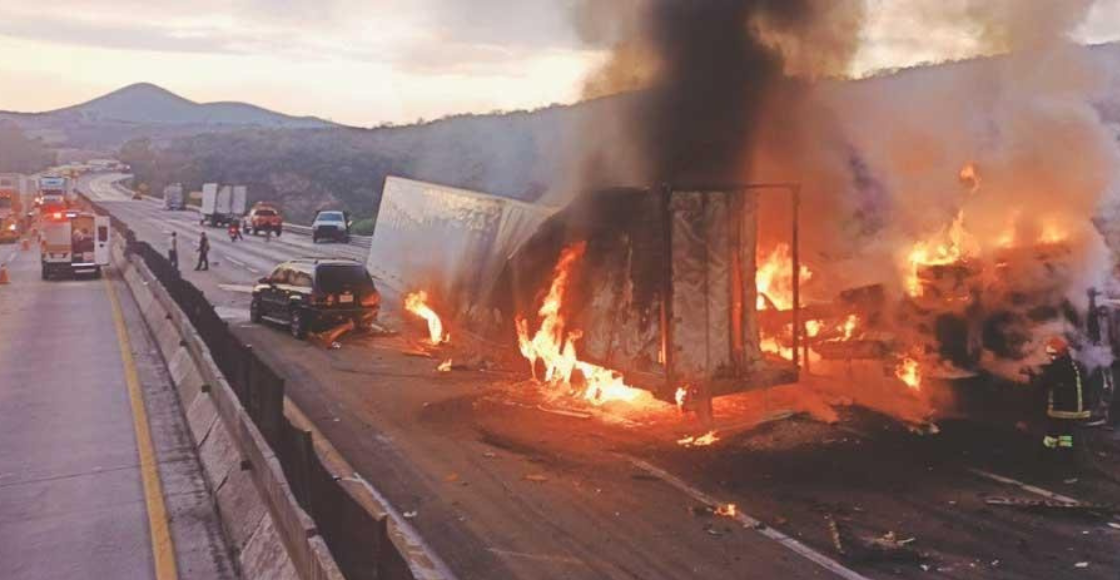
{"type": "Point", "coordinates": [264, 217]}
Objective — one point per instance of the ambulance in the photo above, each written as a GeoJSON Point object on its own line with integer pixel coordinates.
{"type": "Point", "coordinates": [73, 242]}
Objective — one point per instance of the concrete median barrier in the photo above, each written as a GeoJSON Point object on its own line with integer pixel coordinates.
{"type": "Point", "coordinates": [271, 534]}
{"type": "Point", "coordinates": [274, 536]}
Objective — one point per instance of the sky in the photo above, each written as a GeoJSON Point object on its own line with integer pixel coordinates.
{"type": "Point", "coordinates": [366, 62]}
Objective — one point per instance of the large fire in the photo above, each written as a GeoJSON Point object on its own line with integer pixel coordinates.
{"type": "Point", "coordinates": [555, 346]}
{"type": "Point", "coordinates": [773, 278]}
{"type": "Point", "coordinates": [417, 303]}
{"type": "Point", "coordinates": [947, 247]}
{"type": "Point", "coordinates": [910, 372]}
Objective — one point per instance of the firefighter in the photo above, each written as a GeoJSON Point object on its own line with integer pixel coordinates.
{"type": "Point", "coordinates": [1064, 380]}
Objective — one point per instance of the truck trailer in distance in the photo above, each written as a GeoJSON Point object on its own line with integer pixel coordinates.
{"type": "Point", "coordinates": [221, 206]}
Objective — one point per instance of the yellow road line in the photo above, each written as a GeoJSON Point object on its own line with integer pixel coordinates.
{"type": "Point", "coordinates": [163, 548]}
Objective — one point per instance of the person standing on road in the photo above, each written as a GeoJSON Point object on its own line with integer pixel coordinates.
{"type": "Point", "coordinates": [203, 253]}
{"type": "Point", "coordinates": [173, 253]}
{"type": "Point", "coordinates": [1065, 397]}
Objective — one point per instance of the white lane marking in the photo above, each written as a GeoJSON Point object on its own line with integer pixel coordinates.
{"type": "Point", "coordinates": [749, 522]}
{"type": "Point", "coordinates": [1023, 486]}
{"type": "Point", "coordinates": [238, 262]}
{"type": "Point", "coordinates": [236, 288]}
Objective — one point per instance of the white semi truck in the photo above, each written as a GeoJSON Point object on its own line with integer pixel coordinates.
{"type": "Point", "coordinates": [222, 206]}
{"type": "Point", "coordinates": [73, 242]}
{"type": "Point", "coordinates": [173, 198]}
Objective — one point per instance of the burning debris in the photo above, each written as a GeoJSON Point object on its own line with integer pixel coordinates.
{"type": "Point", "coordinates": [555, 347]}
{"type": "Point", "coordinates": [704, 440]}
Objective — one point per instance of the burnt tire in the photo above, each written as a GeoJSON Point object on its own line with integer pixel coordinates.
{"type": "Point", "coordinates": [297, 323]}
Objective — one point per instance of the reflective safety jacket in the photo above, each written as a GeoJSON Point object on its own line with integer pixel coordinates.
{"type": "Point", "coordinates": [1065, 388]}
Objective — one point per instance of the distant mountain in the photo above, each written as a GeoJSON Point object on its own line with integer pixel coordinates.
{"type": "Point", "coordinates": [145, 103]}
{"type": "Point", "coordinates": [148, 104]}
{"type": "Point", "coordinates": [147, 110]}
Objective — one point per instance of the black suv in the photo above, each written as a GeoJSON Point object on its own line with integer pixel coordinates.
{"type": "Point", "coordinates": [308, 293]}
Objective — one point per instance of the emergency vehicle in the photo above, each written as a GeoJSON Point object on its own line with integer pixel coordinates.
{"type": "Point", "coordinates": [74, 242]}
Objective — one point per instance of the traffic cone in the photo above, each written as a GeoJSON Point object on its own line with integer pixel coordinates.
{"type": "Point", "coordinates": [3, 274]}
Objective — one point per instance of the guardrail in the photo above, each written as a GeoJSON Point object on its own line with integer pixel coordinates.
{"type": "Point", "coordinates": [302, 230]}
{"type": "Point", "coordinates": [362, 533]}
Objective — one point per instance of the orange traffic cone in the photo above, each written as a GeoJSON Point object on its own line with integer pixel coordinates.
{"type": "Point", "coordinates": [3, 274]}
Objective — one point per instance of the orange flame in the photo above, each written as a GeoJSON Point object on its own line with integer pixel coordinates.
{"type": "Point", "coordinates": [945, 248]}
{"type": "Point", "coordinates": [445, 366]}
{"type": "Point", "coordinates": [417, 303]}
{"type": "Point", "coordinates": [772, 278]}
{"type": "Point", "coordinates": [850, 325]}
{"type": "Point", "coordinates": [910, 372]}
{"type": "Point", "coordinates": [699, 440]}
{"type": "Point", "coordinates": [681, 397]}
{"type": "Point", "coordinates": [727, 510]}
{"type": "Point", "coordinates": [556, 349]}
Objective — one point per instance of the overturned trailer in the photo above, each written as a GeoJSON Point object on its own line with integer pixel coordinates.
{"type": "Point", "coordinates": [451, 242]}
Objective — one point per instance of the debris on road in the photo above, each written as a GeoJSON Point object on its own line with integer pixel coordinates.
{"type": "Point", "coordinates": [1099, 508]}
{"type": "Point", "coordinates": [536, 477]}
{"type": "Point", "coordinates": [565, 412]}
{"type": "Point", "coordinates": [410, 515]}
{"type": "Point", "coordinates": [329, 338]}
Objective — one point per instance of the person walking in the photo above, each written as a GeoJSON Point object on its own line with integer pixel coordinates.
{"type": "Point", "coordinates": [173, 253]}
{"type": "Point", "coordinates": [203, 253]}
{"type": "Point", "coordinates": [1063, 378]}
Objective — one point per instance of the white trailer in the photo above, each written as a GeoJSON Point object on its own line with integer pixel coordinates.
{"type": "Point", "coordinates": [173, 197]}
{"type": "Point", "coordinates": [451, 242]}
{"type": "Point", "coordinates": [74, 243]}
{"type": "Point", "coordinates": [222, 206]}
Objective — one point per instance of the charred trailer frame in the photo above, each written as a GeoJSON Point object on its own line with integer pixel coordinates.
{"type": "Point", "coordinates": [666, 292]}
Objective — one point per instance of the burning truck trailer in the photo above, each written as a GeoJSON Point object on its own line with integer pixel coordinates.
{"type": "Point", "coordinates": [652, 289]}
{"type": "Point", "coordinates": [624, 291]}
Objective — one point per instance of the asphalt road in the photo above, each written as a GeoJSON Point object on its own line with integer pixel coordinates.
{"type": "Point", "coordinates": [72, 496]}
{"type": "Point", "coordinates": [505, 483]}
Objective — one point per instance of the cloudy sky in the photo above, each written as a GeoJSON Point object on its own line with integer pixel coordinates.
{"type": "Point", "coordinates": [361, 62]}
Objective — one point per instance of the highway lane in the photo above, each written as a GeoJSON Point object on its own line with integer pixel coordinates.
{"type": "Point", "coordinates": [93, 484]}
{"type": "Point", "coordinates": [503, 489]}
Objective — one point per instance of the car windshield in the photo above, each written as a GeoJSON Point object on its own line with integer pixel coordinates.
{"type": "Point", "coordinates": [335, 278]}
{"type": "Point", "coordinates": [266, 212]}
{"type": "Point", "coordinates": [330, 216]}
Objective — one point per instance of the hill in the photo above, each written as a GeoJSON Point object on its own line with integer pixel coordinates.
{"type": "Point", "coordinates": [144, 109]}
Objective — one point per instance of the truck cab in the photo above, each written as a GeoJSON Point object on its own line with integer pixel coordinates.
{"type": "Point", "coordinates": [73, 243]}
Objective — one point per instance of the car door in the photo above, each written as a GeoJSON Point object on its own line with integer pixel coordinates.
{"type": "Point", "coordinates": [272, 301]}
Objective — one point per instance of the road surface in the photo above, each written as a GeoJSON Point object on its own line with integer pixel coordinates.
{"type": "Point", "coordinates": [504, 483]}
{"type": "Point", "coordinates": [81, 464]}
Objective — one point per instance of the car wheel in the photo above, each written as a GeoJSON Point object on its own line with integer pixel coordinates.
{"type": "Point", "coordinates": [255, 311]}
{"type": "Point", "coordinates": [297, 324]}
{"type": "Point", "coordinates": [278, 232]}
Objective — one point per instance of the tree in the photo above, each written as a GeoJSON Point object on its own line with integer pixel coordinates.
{"type": "Point", "coordinates": [18, 154]}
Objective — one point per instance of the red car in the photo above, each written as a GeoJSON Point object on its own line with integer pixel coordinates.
{"type": "Point", "coordinates": [263, 218]}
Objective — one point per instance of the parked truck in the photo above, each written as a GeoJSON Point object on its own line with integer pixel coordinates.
{"type": "Point", "coordinates": [13, 188]}
{"type": "Point", "coordinates": [54, 191]}
{"type": "Point", "coordinates": [173, 198]}
{"type": "Point", "coordinates": [222, 206]}
{"type": "Point", "coordinates": [73, 242]}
